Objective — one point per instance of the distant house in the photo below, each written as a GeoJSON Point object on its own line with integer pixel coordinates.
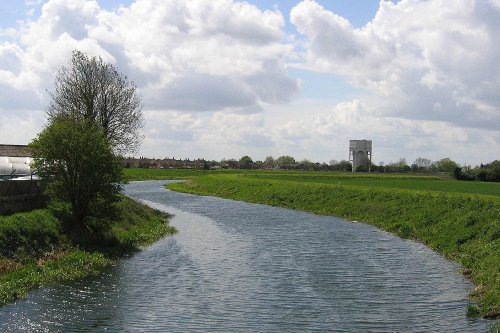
{"type": "Point", "coordinates": [14, 161]}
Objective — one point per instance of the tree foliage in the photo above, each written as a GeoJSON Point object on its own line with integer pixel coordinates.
{"type": "Point", "coordinates": [245, 162]}
{"type": "Point", "coordinates": [78, 161]}
{"type": "Point", "coordinates": [269, 162]}
{"type": "Point", "coordinates": [285, 161]}
{"type": "Point", "coordinates": [489, 172]}
{"type": "Point", "coordinates": [91, 89]}
{"type": "Point", "coordinates": [343, 165]}
{"type": "Point", "coordinates": [446, 165]}
{"type": "Point", "coordinates": [421, 164]}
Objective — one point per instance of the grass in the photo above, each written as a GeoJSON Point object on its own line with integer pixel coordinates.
{"type": "Point", "coordinates": [396, 181]}
{"type": "Point", "coordinates": [34, 251]}
{"type": "Point", "coordinates": [64, 266]}
{"type": "Point", "coordinates": [158, 174]}
{"type": "Point", "coordinates": [460, 220]}
{"type": "Point", "coordinates": [419, 183]}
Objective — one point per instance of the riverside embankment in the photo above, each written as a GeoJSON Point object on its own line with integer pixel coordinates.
{"type": "Point", "coordinates": [452, 218]}
{"type": "Point", "coordinates": [237, 267]}
{"type": "Point", "coordinates": [34, 250]}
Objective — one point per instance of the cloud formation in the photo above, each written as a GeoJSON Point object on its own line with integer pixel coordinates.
{"type": "Point", "coordinates": [423, 60]}
{"type": "Point", "coordinates": [183, 55]}
{"type": "Point", "coordinates": [213, 75]}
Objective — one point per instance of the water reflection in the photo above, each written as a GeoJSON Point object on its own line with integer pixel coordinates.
{"type": "Point", "coordinates": [241, 267]}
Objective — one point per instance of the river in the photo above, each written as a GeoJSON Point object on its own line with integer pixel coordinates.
{"type": "Point", "coordinates": [239, 267]}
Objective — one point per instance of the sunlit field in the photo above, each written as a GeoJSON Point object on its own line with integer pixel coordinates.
{"type": "Point", "coordinates": [441, 183]}
{"type": "Point", "coordinates": [459, 219]}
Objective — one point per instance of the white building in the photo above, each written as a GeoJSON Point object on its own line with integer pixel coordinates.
{"type": "Point", "coordinates": [360, 153]}
{"type": "Point", "coordinates": [15, 161]}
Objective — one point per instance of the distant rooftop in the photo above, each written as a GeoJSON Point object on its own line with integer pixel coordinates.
{"type": "Point", "coordinates": [15, 150]}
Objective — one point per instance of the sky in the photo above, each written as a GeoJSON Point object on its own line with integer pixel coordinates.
{"type": "Point", "coordinates": [221, 79]}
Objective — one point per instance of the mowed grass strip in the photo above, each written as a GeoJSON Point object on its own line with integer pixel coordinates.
{"type": "Point", "coordinates": [462, 227]}
{"type": "Point", "coordinates": [418, 183]}
{"type": "Point", "coordinates": [441, 183]}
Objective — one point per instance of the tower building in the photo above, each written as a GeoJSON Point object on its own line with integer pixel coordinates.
{"type": "Point", "coordinates": [360, 153]}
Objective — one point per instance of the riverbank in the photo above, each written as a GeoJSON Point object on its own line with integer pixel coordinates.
{"type": "Point", "coordinates": [463, 227]}
{"type": "Point", "coordinates": [34, 251]}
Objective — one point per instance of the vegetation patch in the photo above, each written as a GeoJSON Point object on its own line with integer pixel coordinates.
{"type": "Point", "coordinates": [94, 117]}
{"type": "Point", "coordinates": [439, 183]}
{"type": "Point", "coordinates": [35, 251]}
{"type": "Point", "coordinates": [463, 227]}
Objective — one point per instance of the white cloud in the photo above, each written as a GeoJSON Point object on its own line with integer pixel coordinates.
{"type": "Point", "coordinates": [219, 134]}
{"type": "Point", "coordinates": [293, 132]}
{"type": "Point", "coordinates": [27, 66]}
{"type": "Point", "coordinates": [16, 128]}
{"type": "Point", "coordinates": [395, 137]}
{"type": "Point", "coordinates": [321, 136]}
{"type": "Point", "coordinates": [427, 60]}
{"type": "Point", "coordinates": [185, 55]}
{"type": "Point", "coordinates": [431, 68]}
{"type": "Point", "coordinates": [247, 130]}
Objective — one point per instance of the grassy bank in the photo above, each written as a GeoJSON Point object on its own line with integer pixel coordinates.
{"type": "Point", "coordinates": [453, 219]}
{"type": "Point", "coordinates": [34, 251]}
{"type": "Point", "coordinates": [441, 183]}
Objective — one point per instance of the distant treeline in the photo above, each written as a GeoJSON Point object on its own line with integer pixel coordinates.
{"type": "Point", "coordinates": [489, 172]}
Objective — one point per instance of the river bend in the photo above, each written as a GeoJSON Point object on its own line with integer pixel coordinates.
{"type": "Point", "coordinates": [239, 267]}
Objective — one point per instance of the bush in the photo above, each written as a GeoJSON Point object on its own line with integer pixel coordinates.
{"type": "Point", "coordinates": [83, 178]}
{"type": "Point", "coordinates": [29, 234]}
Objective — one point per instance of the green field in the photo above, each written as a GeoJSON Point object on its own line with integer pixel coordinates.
{"type": "Point", "coordinates": [408, 182]}
{"type": "Point", "coordinates": [458, 219]}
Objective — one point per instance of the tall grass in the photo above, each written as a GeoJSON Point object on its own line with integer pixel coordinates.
{"type": "Point", "coordinates": [66, 266]}
{"type": "Point", "coordinates": [27, 235]}
{"type": "Point", "coordinates": [34, 251]}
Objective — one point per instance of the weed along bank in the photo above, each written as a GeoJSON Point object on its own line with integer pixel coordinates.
{"type": "Point", "coordinates": [238, 267]}
{"type": "Point", "coordinates": [455, 221]}
{"type": "Point", "coordinates": [34, 252]}
{"type": "Point", "coordinates": [249, 166]}
{"type": "Point", "coordinates": [83, 222]}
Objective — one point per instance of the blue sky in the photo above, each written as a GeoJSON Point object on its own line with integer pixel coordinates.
{"type": "Point", "coordinates": [358, 12]}
{"type": "Point", "coordinates": [224, 78]}
{"type": "Point", "coordinates": [314, 85]}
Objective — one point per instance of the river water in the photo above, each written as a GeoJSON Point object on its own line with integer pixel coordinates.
{"type": "Point", "coordinates": [239, 267]}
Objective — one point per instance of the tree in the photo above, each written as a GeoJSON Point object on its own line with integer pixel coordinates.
{"type": "Point", "coordinates": [343, 165]}
{"type": "Point", "coordinates": [90, 89]}
{"type": "Point", "coordinates": [399, 166]}
{"type": "Point", "coordinates": [285, 161]}
{"type": "Point", "coordinates": [494, 168]}
{"type": "Point", "coordinates": [269, 162]}
{"type": "Point", "coordinates": [78, 162]}
{"type": "Point", "coordinates": [232, 163]}
{"type": "Point", "coordinates": [361, 168]}
{"type": "Point", "coordinates": [223, 164]}
{"type": "Point", "coordinates": [305, 164]}
{"type": "Point", "coordinates": [246, 162]}
{"type": "Point", "coordinates": [333, 163]}
{"type": "Point", "coordinates": [446, 165]}
{"type": "Point", "coordinates": [489, 172]}
{"type": "Point", "coordinates": [421, 164]}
